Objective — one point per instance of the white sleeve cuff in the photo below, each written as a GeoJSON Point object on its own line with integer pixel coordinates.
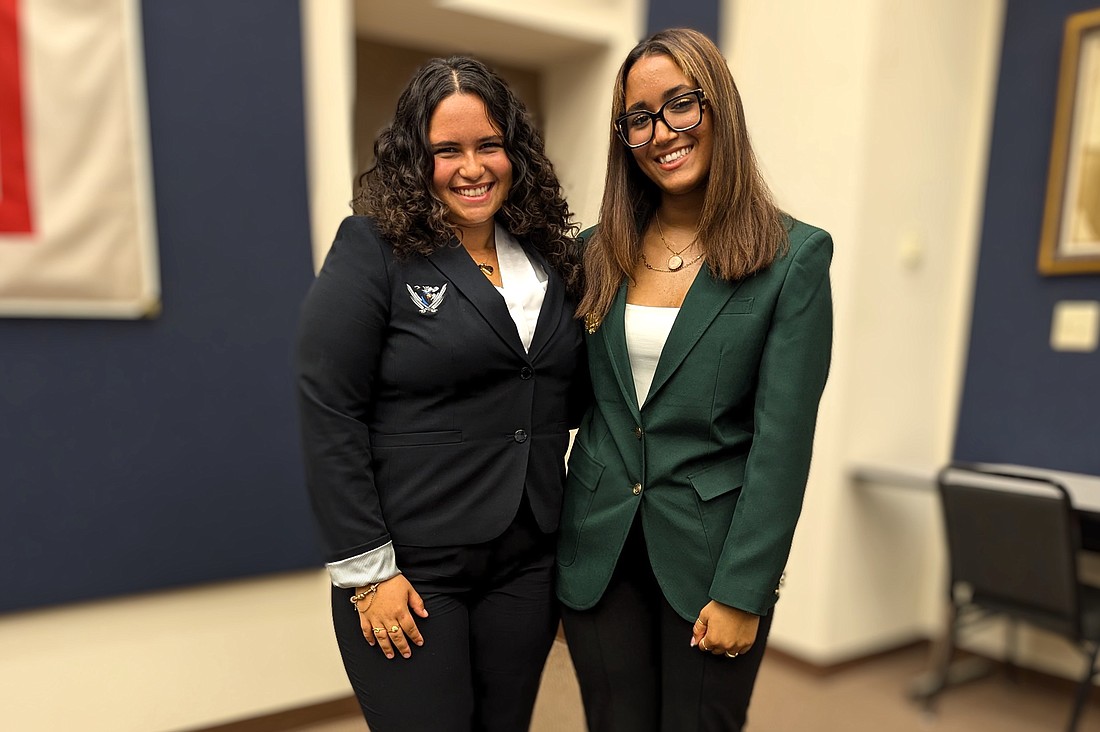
{"type": "Point", "coordinates": [377, 565]}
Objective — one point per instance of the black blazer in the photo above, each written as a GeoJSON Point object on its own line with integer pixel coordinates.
{"type": "Point", "coordinates": [423, 418]}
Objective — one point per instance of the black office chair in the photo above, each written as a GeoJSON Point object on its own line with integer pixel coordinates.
{"type": "Point", "coordinates": [1012, 544]}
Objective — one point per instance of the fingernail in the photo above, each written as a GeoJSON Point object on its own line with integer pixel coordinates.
{"type": "Point", "coordinates": [693, 641]}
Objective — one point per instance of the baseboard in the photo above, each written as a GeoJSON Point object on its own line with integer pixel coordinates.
{"type": "Point", "coordinates": [812, 668]}
{"type": "Point", "coordinates": [1022, 674]}
{"type": "Point", "coordinates": [292, 719]}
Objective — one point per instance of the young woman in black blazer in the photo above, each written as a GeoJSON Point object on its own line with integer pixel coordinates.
{"type": "Point", "coordinates": [440, 369]}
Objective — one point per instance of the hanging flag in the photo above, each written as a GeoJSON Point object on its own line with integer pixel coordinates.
{"type": "Point", "coordinates": [77, 233]}
{"type": "Point", "coordinates": [15, 214]}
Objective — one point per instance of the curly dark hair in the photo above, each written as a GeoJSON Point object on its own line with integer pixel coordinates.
{"type": "Point", "coordinates": [396, 190]}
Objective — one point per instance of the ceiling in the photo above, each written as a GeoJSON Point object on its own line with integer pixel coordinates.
{"type": "Point", "coordinates": [444, 27]}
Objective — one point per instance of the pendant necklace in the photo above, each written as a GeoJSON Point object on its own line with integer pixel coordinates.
{"type": "Point", "coordinates": [486, 268]}
{"type": "Point", "coordinates": [675, 262]}
{"type": "Point", "coordinates": [670, 269]}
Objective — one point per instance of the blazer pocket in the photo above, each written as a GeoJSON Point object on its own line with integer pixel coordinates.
{"type": "Point", "coordinates": [737, 306]}
{"type": "Point", "coordinates": [412, 439]}
{"type": "Point", "coordinates": [719, 479]}
{"type": "Point", "coordinates": [580, 490]}
{"type": "Point", "coordinates": [583, 468]}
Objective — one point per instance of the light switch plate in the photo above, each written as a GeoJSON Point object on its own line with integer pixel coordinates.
{"type": "Point", "coordinates": [1076, 326]}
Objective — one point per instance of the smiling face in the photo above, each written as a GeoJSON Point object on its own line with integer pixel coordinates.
{"type": "Point", "coordinates": [678, 162]}
{"type": "Point", "coordinates": [472, 174]}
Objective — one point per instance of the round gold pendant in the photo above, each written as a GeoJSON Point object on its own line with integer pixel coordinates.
{"type": "Point", "coordinates": [675, 262]}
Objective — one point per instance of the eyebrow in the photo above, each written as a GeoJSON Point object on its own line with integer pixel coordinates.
{"type": "Point", "coordinates": [453, 143]}
{"type": "Point", "coordinates": [669, 94]}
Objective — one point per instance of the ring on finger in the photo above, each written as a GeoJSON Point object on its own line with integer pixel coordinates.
{"type": "Point", "coordinates": [378, 631]}
{"type": "Point", "coordinates": [395, 628]}
{"type": "Point", "coordinates": [735, 654]}
{"type": "Point", "coordinates": [703, 646]}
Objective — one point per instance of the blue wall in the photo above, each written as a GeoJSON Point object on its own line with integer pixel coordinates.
{"type": "Point", "coordinates": [702, 15]}
{"type": "Point", "coordinates": [1022, 402]}
{"type": "Point", "coordinates": [146, 454]}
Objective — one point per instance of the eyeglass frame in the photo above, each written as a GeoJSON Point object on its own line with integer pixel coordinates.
{"type": "Point", "coordinates": [659, 115]}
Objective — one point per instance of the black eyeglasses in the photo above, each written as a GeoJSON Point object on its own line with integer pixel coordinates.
{"type": "Point", "coordinates": [681, 113]}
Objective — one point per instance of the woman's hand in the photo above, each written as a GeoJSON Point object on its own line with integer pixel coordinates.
{"type": "Point", "coordinates": [724, 629]}
{"type": "Point", "coordinates": [387, 620]}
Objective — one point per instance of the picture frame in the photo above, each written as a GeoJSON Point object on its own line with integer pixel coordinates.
{"type": "Point", "coordinates": [1070, 241]}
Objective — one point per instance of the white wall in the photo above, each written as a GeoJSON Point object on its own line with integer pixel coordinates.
{"type": "Point", "coordinates": [872, 119]}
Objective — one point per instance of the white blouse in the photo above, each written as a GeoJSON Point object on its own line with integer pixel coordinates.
{"type": "Point", "coordinates": [524, 285]}
{"type": "Point", "coordinates": [647, 329]}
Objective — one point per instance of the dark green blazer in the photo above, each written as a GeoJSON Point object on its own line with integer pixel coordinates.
{"type": "Point", "coordinates": [716, 459]}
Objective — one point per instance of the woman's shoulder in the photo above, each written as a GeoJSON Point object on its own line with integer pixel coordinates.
{"type": "Point", "coordinates": [358, 226]}
{"type": "Point", "coordinates": [360, 246]}
{"type": "Point", "coordinates": [804, 238]}
{"type": "Point", "coordinates": [363, 237]}
{"type": "Point", "coordinates": [799, 232]}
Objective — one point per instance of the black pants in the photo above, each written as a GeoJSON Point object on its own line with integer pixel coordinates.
{"type": "Point", "coordinates": [637, 670]}
{"type": "Point", "coordinates": [491, 620]}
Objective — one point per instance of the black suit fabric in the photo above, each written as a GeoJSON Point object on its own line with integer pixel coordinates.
{"type": "Point", "coordinates": [427, 424]}
{"type": "Point", "coordinates": [425, 427]}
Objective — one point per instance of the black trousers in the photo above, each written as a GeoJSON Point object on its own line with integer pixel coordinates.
{"type": "Point", "coordinates": [637, 669]}
{"type": "Point", "coordinates": [491, 620]}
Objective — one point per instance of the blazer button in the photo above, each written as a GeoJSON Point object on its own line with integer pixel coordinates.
{"type": "Point", "coordinates": [526, 373]}
{"type": "Point", "coordinates": [638, 432]}
{"type": "Point", "coordinates": [520, 436]}
{"type": "Point", "coordinates": [637, 489]}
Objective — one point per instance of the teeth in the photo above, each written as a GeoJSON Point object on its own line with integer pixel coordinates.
{"type": "Point", "coordinates": [673, 155]}
{"type": "Point", "coordinates": [473, 192]}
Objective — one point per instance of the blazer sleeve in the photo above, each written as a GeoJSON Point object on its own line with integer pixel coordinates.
{"type": "Point", "coordinates": [793, 369]}
{"type": "Point", "coordinates": [340, 336]}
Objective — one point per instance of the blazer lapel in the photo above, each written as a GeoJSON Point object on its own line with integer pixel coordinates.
{"type": "Point", "coordinates": [613, 334]}
{"type": "Point", "coordinates": [456, 266]}
{"type": "Point", "coordinates": [550, 314]}
{"type": "Point", "coordinates": [704, 300]}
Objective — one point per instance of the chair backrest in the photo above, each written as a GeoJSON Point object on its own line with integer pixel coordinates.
{"type": "Point", "coordinates": [1013, 541]}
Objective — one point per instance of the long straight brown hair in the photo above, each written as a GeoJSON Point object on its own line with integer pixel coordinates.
{"type": "Point", "coordinates": [740, 228]}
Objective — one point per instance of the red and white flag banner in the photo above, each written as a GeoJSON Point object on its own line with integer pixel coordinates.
{"type": "Point", "coordinates": [77, 232]}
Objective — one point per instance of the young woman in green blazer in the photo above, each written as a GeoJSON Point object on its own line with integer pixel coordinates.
{"type": "Point", "coordinates": [710, 325]}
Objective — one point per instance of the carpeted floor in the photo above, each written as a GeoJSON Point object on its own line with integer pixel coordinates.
{"type": "Point", "coordinates": [867, 697]}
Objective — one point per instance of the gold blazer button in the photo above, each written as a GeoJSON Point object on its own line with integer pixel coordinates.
{"type": "Point", "coordinates": [637, 489]}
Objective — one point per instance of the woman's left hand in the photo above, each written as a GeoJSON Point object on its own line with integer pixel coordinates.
{"type": "Point", "coordinates": [722, 629]}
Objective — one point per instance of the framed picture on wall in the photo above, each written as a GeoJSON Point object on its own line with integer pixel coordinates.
{"type": "Point", "coordinates": [1071, 220]}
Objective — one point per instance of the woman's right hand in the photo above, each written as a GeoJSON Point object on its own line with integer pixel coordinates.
{"type": "Point", "coordinates": [387, 621]}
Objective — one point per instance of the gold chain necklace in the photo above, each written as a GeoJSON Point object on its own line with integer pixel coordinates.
{"type": "Point", "coordinates": [670, 269]}
{"type": "Point", "coordinates": [675, 262]}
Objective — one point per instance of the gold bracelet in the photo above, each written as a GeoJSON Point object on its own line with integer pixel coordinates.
{"type": "Point", "coordinates": [363, 596]}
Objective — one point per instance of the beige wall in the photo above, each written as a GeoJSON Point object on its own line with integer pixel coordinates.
{"type": "Point", "coordinates": [871, 118]}
{"type": "Point", "coordinates": [170, 660]}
